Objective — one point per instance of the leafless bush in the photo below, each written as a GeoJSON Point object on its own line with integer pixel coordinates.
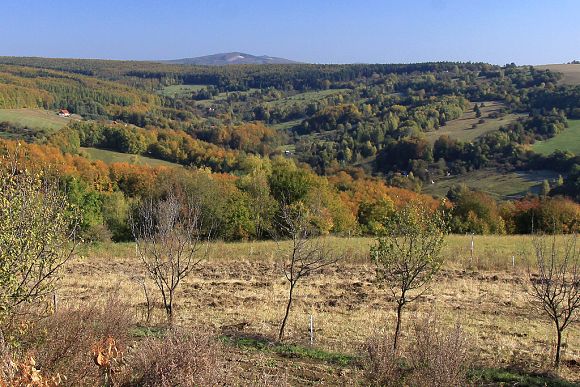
{"type": "Point", "coordinates": [439, 355]}
{"type": "Point", "coordinates": [62, 343]}
{"type": "Point", "coordinates": [382, 367]}
{"type": "Point", "coordinates": [434, 356]}
{"type": "Point", "coordinates": [265, 379]}
{"type": "Point", "coordinates": [168, 237]}
{"type": "Point", "coordinates": [181, 358]}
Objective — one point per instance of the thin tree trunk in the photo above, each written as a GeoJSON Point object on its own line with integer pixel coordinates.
{"type": "Point", "coordinates": [148, 301]}
{"type": "Point", "coordinates": [281, 333]}
{"type": "Point", "coordinates": [169, 307]}
{"type": "Point", "coordinates": [398, 326]}
{"type": "Point", "coordinates": [558, 345]}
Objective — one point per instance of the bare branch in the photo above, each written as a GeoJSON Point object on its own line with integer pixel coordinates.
{"type": "Point", "coordinates": [168, 236]}
{"type": "Point", "coordinates": [309, 253]}
{"type": "Point", "coordinates": [555, 282]}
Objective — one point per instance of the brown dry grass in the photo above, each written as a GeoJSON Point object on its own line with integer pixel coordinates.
{"type": "Point", "coordinates": [570, 72]}
{"type": "Point", "coordinates": [240, 285]}
{"type": "Point", "coordinates": [181, 358]}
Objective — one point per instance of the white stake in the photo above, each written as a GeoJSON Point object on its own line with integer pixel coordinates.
{"type": "Point", "coordinates": [472, 248]}
{"type": "Point", "coordinates": [472, 244]}
{"type": "Point", "coordinates": [311, 330]}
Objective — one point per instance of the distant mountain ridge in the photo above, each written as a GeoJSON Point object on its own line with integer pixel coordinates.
{"type": "Point", "coordinates": [228, 58]}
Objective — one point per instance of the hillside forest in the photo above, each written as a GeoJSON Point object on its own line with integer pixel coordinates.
{"type": "Point", "coordinates": [354, 143]}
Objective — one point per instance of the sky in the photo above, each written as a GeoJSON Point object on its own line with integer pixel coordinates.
{"type": "Point", "coordinates": [316, 31]}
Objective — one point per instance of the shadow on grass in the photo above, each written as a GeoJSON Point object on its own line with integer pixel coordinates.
{"type": "Point", "coordinates": [516, 377]}
{"type": "Point", "coordinates": [265, 344]}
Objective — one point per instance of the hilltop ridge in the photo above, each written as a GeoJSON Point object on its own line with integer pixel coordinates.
{"type": "Point", "coordinates": [228, 58]}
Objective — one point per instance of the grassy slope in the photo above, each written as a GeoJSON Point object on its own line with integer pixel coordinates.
{"type": "Point", "coordinates": [568, 140]}
{"type": "Point", "coordinates": [500, 185]}
{"type": "Point", "coordinates": [286, 125]}
{"type": "Point", "coordinates": [571, 72]}
{"type": "Point", "coordinates": [461, 128]}
{"type": "Point", "coordinates": [303, 99]}
{"type": "Point", "coordinates": [116, 157]}
{"type": "Point", "coordinates": [34, 118]}
{"type": "Point", "coordinates": [180, 90]}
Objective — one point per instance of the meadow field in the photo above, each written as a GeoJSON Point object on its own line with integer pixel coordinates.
{"type": "Point", "coordinates": [180, 90]}
{"type": "Point", "coordinates": [305, 98]}
{"type": "Point", "coordinates": [239, 292]}
{"type": "Point", "coordinates": [117, 157]}
{"type": "Point", "coordinates": [35, 118]}
{"type": "Point", "coordinates": [462, 128]}
{"type": "Point", "coordinates": [568, 140]}
{"type": "Point", "coordinates": [185, 91]}
{"type": "Point", "coordinates": [502, 186]}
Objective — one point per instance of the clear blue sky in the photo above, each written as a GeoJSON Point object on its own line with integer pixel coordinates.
{"type": "Point", "coordinates": [331, 31]}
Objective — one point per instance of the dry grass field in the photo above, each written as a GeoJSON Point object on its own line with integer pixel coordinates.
{"type": "Point", "coordinates": [570, 72]}
{"type": "Point", "coordinates": [239, 291]}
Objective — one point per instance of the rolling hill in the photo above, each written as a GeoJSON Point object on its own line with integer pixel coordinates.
{"type": "Point", "coordinates": [230, 58]}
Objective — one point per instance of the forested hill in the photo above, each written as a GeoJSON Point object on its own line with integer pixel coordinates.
{"type": "Point", "coordinates": [421, 127]}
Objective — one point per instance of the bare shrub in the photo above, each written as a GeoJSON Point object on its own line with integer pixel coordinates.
{"type": "Point", "coordinates": [267, 380]}
{"type": "Point", "coordinates": [62, 343]}
{"type": "Point", "coordinates": [168, 239]}
{"type": "Point", "coordinates": [434, 356]}
{"type": "Point", "coordinates": [382, 366]}
{"type": "Point", "coordinates": [181, 358]}
{"type": "Point", "coordinates": [439, 356]}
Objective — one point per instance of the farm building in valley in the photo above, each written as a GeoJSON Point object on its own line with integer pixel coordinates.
{"type": "Point", "coordinates": [64, 113]}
